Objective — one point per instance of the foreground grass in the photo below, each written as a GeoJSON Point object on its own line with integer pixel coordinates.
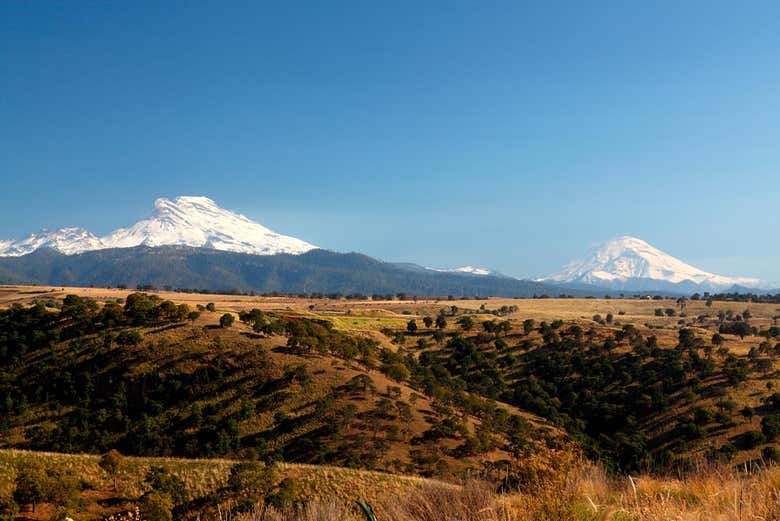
{"type": "Point", "coordinates": [585, 493]}
{"type": "Point", "coordinates": [588, 495]}
{"type": "Point", "coordinates": [203, 477]}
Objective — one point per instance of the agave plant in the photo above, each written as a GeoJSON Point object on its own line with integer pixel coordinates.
{"type": "Point", "coordinates": [367, 510]}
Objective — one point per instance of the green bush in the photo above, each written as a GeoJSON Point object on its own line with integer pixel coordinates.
{"type": "Point", "coordinates": [157, 507]}
{"type": "Point", "coordinates": [770, 426]}
{"type": "Point", "coordinates": [226, 320]}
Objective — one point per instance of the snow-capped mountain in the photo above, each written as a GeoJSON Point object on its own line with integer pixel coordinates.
{"type": "Point", "coordinates": [65, 240]}
{"type": "Point", "coordinates": [200, 222]}
{"type": "Point", "coordinates": [468, 270]}
{"type": "Point", "coordinates": [631, 263]}
{"type": "Point", "coordinates": [188, 221]}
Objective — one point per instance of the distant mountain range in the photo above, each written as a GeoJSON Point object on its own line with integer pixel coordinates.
{"type": "Point", "coordinates": [191, 242]}
{"type": "Point", "coordinates": [631, 264]}
{"type": "Point", "coordinates": [316, 271]}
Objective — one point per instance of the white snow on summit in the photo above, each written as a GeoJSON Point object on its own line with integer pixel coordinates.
{"type": "Point", "coordinates": [64, 240]}
{"type": "Point", "coordinates": [188, 221]}
{"type": "Point", "coordinates": [470, 270]}
{"type": "Point", "coordinates": [200, 222]}
{"type": "Point", "coordinates": [626, 258]}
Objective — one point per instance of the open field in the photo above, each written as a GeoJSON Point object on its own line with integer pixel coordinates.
{"type": "Point", "coordinates": [375, 314]}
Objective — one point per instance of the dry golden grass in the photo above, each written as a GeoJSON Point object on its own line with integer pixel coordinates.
{"type": "Point", "coordinates": [585, 495]}
{"type": "Point", "coordinates": [205, 476]}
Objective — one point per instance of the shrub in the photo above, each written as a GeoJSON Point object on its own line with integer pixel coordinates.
{"type": "Point", "coordinates": [30, 486]}
{"type": "Point", "coordinates": [157, 507]}
{"type": "Point", "coordinates": [771, 454]}
{"type": "Point", "coordinates": [163, 481]}
{"type": "Point", "coordinates": [770, 426]}
{"type": "Point", "coordinates": [226, 320]}
{"type": "Point", "coordinates": [252, 478]}
{"type": "Point", "coordinates": [753, 439]}
{"type": "Point", "coordinates": [129, 338]}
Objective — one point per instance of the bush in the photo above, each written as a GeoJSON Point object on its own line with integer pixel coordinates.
{"type": "Point", "coordinates": [753, 439]}
{"type": "Point", "coordinates": [129, 338]}
{"type": "Point", "coordinates": [30, 486]}
{"type": "Point", "coordinates": [287, 494]}
{"type": "Point", "coordinates": [771, 454]}
{"type": "Point", "coordinates": [163, 481]}
{"type": "Point", "coordinates": [770, 426]}
{"type": "Point", "coordinates": [8, 507]}
{"type": "Point", "coordinates": [252, 479]}
{"type": "Point", "coordinates": [157, 507]}
{"type": "Point", "coordinates": [226, 320]}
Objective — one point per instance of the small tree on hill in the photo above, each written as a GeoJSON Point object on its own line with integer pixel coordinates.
{"type": "Point", "coordinates": [466, 323]}
{"type": "Point", "coordinates": [441, 322]}
{"type": "Point", "coordinates": [129, 338]}
{"type": "Point", "coordinates": [211, 307]}
{"type": "Point", "coordinates": [226, 320]}
{"type": "Point", "coordinates": [411, 326]}
{"type": "Point", "coordinates": [528, 325]}
{"type": "Point", "coordinates": [111, 462]}
{"type": "Point", "coordinates": [252, 480]}
{"type": "Point", "coordinates": [156, 506]}
{"type": "Point", "coordinates": [30, 486]}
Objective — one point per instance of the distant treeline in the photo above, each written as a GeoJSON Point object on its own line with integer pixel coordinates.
{"type": "Point", "coordinates": [748, 297]}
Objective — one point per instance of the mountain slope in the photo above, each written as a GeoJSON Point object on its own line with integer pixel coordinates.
{"type": "Point", "coordinates": [184, 221]}
{"type": "Point", "coordinates": [631, 263]}
{"type": "Point", "coordinates": [314, 271]}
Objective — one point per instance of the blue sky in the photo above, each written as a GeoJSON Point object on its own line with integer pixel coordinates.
{"type": "Point", "coordinates": [506, 134]}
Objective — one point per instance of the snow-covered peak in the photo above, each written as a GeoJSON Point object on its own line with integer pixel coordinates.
{"type": "Point", "coordinates": [186, 220]}
{"type": "Point", "coordinates": [469, 270]}
{"type": "Point", "coordinates": [619, 260]}
{"type": "Point", "coordinates": [200, 222]}
{"type": "Point", "coordinates": [64, 240]}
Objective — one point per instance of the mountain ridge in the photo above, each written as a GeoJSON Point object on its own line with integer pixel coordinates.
{"type": "Point", "coordinates": [315, 271]}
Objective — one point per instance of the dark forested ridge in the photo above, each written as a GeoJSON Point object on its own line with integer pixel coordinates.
{"type": "Point", "coordinates": [315, 271]}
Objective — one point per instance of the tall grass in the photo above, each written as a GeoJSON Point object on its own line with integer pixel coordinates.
{"type": "Point", "coordinates": [711, 494]}
{"type": "Point", "coordinates": [580, 492]}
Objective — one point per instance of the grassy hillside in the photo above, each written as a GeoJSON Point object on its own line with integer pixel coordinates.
{"type": "Point", "coordinates": [506, 391]}
{"type": "Point", "coordinates": [643, 384]}
{"type": "Point", "coordinates": [81, 377]}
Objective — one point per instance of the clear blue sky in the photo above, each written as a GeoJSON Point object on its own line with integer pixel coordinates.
{"type": "Point", "coordinates": [506, 134]}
